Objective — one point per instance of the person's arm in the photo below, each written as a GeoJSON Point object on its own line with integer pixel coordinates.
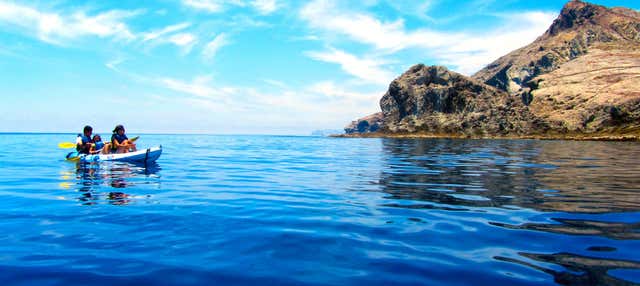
{"type": "Point", "coordinates": [126, 142]}
{"type": "Point", "coordinates": [118, 144]}
{"type": "Point", "coordinates": [114, 142]}
{"type": "Point", "coordinates": [106, 148]}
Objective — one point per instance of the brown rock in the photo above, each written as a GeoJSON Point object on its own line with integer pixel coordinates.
{"type": "Point", "coordinates": [582, 75]}
{"type": "Point", "coordinates": [580, 79]}
{"type": "Point", "coordinates": [596, 93]}
{"type": "Point", "coordinates": [579, 29]}
{"type": "Point", "coordinates": [436, 100]}
{"type": "Point", "coordinates": [366, 124]}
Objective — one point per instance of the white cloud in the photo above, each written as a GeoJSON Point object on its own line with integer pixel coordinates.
{"type": "Point", "coordinates": [276, 83]}
{"type": "Point", "coordinates": [211, 49]}
{"type": "Point", "coordinates": [55, 28]}
{"type": "Point", "coordinates": [418, 9]}
{"type": "Point", "coordinates": [319, 105]}
{"type": "Point", "coordinates": [360, 27]}
{"type": "Point", "coordinates": [165, 31]}
{"type": "Point", "coordinates": [242, 22]}
{"type": "Point", "coordinates": [369, 70]}
{"type": "Point", "coordinates": [264, 6]}
{"type": "Point", "coordinates": [199, 87]}
{"type": "Point", "coordinates": [185, 41]}
{"type": "Point", "coordinates": [182, 39]}
{"type": "Point", "coordinates": [113, 64]}
{"type": "Point", "coordinates": [330, 89]}
{"type": "Point", "coordinates": [174, 35]}
{"type": "Point", "coordinates": [217, 6]}
{"type": "Point", "coordinates": [309, 38]}
{"type": "Point", "coordinates": [466, 51]}
{"type": "Point", "coordinates": [212, 6]}
{"type": "Point", "coordinates": [473, 52]}
{"type": "Point", "coordinates": [59, 28]}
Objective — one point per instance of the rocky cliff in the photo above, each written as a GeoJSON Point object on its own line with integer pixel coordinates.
{"type": "Point", "coordinates": [366, 124]}
{"type": "Point", "coordinates": [580, 28]}
{"type": "Point", "coordinates": [438, 101]}
{"type": "Point", "coordinates": [582, 75]}
{"type": "Point", "coordinates": [581, 78]}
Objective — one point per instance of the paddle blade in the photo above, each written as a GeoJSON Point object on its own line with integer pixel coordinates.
{"type": "Point", "coordinates": [134, 139]}
{"type": "Point", "coordinates": [66, 145]}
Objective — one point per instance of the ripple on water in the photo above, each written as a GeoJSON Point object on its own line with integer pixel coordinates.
{"type": "Point", "coordinates": [308, 210]}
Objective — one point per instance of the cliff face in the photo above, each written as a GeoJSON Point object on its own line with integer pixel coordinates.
{"type": "Point", "coordinates": [582, 75]}
{"type": "Point", "coordinates": [598, 93]}
{"type": "Point", "coordinates": [579, 29]}
{"type": "Point", "coordinates": [436, 100]}
{"type": "Point", "coordinates": [368, 124]}
{"type": "Point", "coordinates": [580, 78]}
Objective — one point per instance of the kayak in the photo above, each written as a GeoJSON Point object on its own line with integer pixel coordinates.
{"type": "Point", "coordinates": [141, 156]}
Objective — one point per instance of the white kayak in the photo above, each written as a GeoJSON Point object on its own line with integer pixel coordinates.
{"type": "Point", "coordinates": [141, 156]}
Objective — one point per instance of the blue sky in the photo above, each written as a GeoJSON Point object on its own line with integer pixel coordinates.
{"type": "Point", "coordinates": [237, 66]}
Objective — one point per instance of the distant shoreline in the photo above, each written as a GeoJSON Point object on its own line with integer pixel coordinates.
{"type": "Point", "coordinates": [627, 138]}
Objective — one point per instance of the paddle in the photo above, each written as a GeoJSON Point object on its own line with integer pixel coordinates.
{"type": "Point", "coordinates": [66, 145]}
{"type": "Point", "coordinates": [75, 156]}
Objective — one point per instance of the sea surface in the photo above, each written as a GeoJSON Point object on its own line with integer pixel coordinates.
{"type": "Point", "coordinates": [273, 210]}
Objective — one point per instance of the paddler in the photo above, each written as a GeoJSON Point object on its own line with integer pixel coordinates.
{"type": "Point", "coordinates": [84, 141]}
{"type": "Point", "coordinates": [98, 146]}
{"type": "Point", "coordinates": [120, 142]}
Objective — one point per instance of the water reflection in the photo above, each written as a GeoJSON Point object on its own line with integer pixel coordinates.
{"type": "Point", "coordinates": [93, 181]}
{"type": "Point", "coordinates": [581, 270]}
{"type": "Point", "coordinates": [557, 177]}
{"type": "Point", "coordinates": [590, 177]}
{"type": "Point", "coordinates": [614, 230]}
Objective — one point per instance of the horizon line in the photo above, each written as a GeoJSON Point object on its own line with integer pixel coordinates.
{"type": "Point", "coordinates": [152, 133]}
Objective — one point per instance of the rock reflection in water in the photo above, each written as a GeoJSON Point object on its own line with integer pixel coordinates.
{"type": "Point", "coordinates": [584, 270]}
{"type": "Point", "coordinates": [94, 177]}
{"type": "Point", "coordinates": [567, 180]}
{"type": "Point", "coordinates": [622, 231]}
{"type": "Point", "coordinates": [585, 177]}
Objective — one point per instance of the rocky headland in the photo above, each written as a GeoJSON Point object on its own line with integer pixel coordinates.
{"type": "Point", "coordinates": [367, 124]}
{"type": "Point", "coordinates": [579, 80]}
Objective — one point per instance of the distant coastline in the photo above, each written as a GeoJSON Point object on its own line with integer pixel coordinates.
{"type": "Point", "coordinates": [572, 137]}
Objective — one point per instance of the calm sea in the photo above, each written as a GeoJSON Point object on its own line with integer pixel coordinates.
{"type": "Point", "coordinates": [268, 210]}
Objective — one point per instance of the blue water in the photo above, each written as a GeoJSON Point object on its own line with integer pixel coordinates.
{"type": "Point", "coordinates": [237, 210]}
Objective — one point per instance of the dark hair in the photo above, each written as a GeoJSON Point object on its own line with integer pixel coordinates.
{"type": "Point", "coordinates": [98, 136]}
{"type": "Point", "coordinates": [118, 127]}
{"type": "Point", "coordinates": [87, 129]}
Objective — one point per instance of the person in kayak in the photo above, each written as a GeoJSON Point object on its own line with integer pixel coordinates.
{"type": "Point", "coordinates": [120, 143]}
{"type": "Point", "coordinates": [98, 146]}
{"type": "Point", "coordinates": [84, 141]}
